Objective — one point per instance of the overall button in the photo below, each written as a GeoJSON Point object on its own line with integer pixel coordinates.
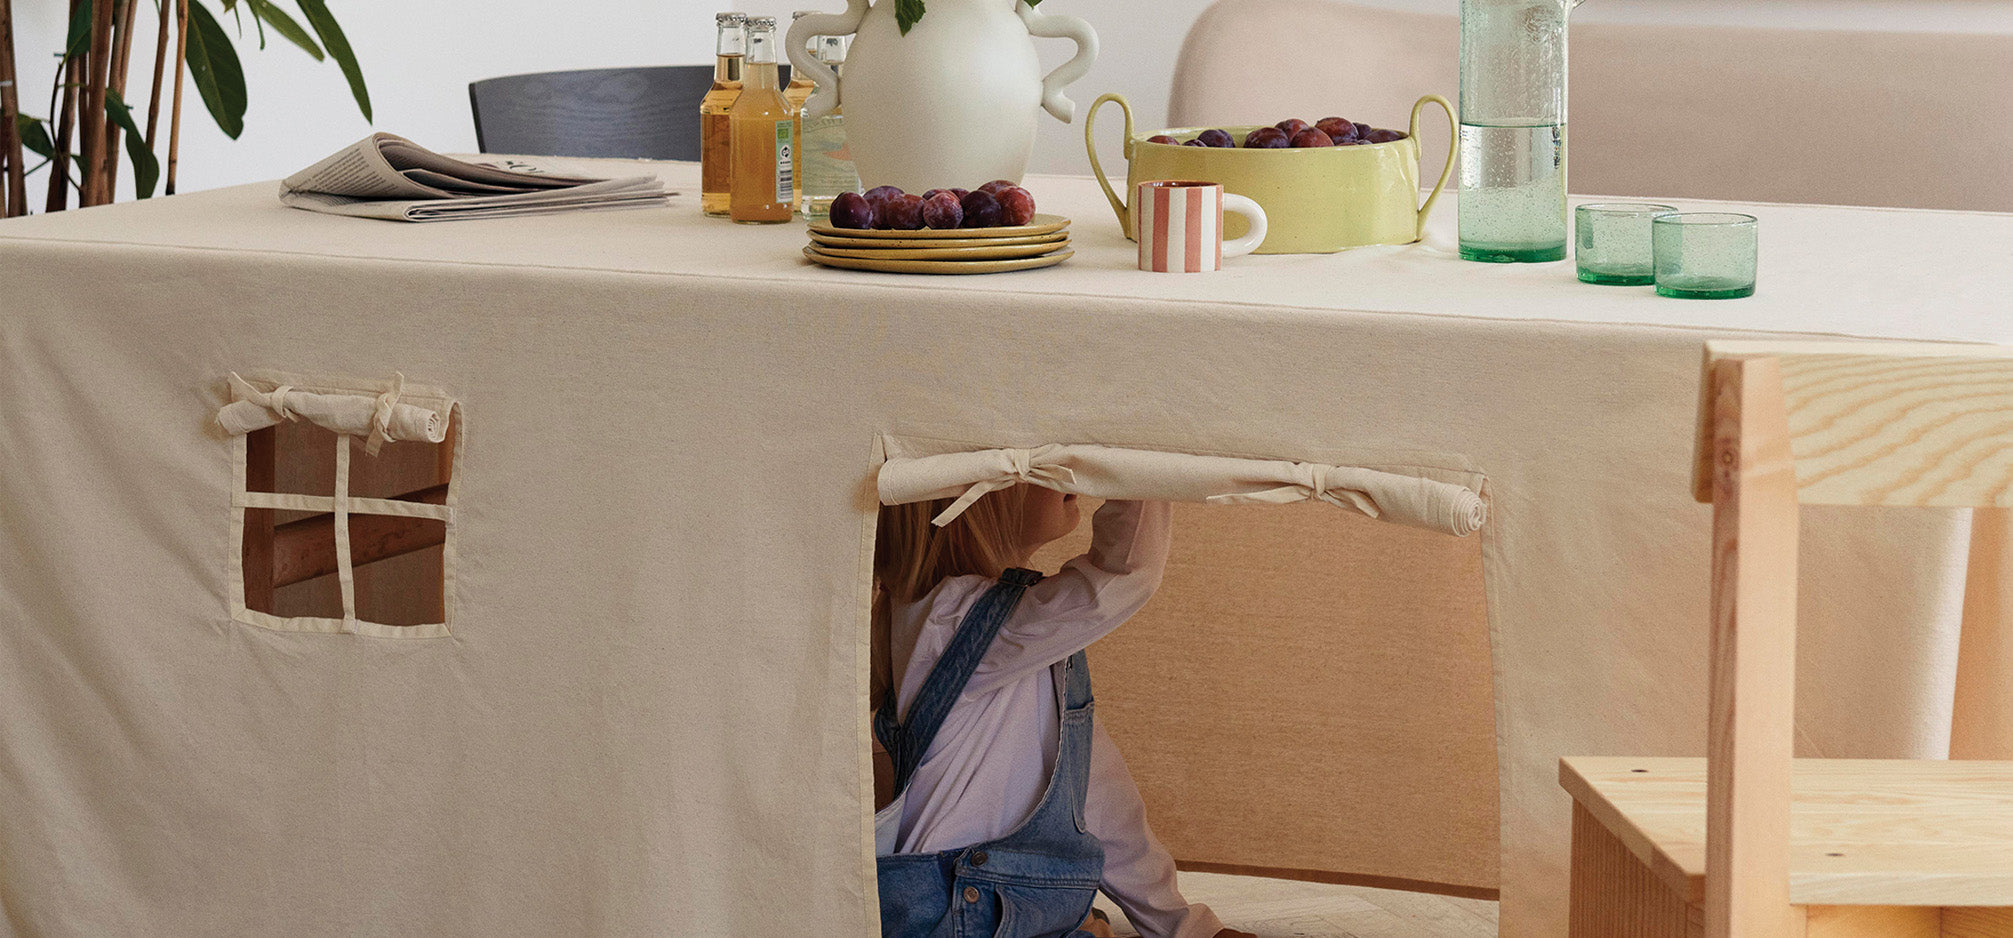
{"type": "Point", "coordinates": [971, 894]}
{"type": "Point", "coordinates": [979, 858]}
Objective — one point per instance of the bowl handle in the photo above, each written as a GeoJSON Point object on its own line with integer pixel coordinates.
{"type": "Point", "coordinates": [1453, 146]}
{"type": "Point", "coordinates": [1090, 144]}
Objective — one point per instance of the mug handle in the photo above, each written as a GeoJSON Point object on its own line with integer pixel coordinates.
{"type": "Point", "coordinates": [1090, 144]}
{"type": "Point", "coordinates": [796, 42]}
{"type": "Point", "coordinates": [1045, 26]}
{"type": "Point", "coordinates": [1453, 146]}
{"type": "Point", "coordinates": [1253, 214]}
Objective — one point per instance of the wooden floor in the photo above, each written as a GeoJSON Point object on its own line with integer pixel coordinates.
{"type": "Point", "coordinates": [1277, 908]}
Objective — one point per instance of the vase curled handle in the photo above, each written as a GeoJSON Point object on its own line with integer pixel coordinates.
{"type": "Point", "coordinates": [1057, 27]}
{"type": "Point", "coordinates": [796, 43]}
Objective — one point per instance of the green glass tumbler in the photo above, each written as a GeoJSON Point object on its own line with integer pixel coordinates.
{"type": "Point", "coordinates": [1611, 242]}
{"type": "Point", "coordinates": [1704, 255]}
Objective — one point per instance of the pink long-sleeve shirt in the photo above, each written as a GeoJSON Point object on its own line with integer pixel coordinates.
{"type": "Point", "coordinates": [990, 763]}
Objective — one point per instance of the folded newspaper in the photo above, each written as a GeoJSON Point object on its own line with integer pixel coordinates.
{"type": "Point", "coordinates": [387, 176]}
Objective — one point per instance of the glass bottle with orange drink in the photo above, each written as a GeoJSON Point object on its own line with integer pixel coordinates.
{"type": "Point", "coordinates": [764, 133]}
{"type": "Point", "coordinates": [716, 169]}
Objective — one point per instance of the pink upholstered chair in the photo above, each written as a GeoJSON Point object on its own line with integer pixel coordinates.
{"type": "Point", "coordinates": [1675, 110]}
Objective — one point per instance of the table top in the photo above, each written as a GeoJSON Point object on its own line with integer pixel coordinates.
{"type": "Point", "coordinates": [1854, 271]}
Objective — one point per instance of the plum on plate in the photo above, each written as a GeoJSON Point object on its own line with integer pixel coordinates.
{"type": "Point", "coordinates": [902, 213]}
{"type": "Point", "coordinates": [994, 187]}
{"type": "Point", "coordinates": [1016, 205]}
{"type": "Point", "coordinates": [982, 210]}
{"type": "Point", "coordinates": [942, 209]}
{"type": "Point", "coordinates": [879, 194]}
{"type": "Point", "coordinates": [852, 210]}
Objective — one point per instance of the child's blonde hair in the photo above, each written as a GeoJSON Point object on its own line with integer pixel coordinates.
{"type": "Point", "coordinates": [912, 556]}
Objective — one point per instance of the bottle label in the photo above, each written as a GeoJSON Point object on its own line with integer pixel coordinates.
{"type": "Point", "coordinates": [784, 161]}
{"type": "Point", "coordinates": [828, 166]}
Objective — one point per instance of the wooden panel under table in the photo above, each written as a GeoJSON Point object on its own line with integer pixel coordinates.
{"type": "Point", "coordinates": [1891, 848]}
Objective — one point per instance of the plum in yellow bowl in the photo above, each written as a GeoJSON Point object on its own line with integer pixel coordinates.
{"type": "Point", "coordinates": [1317, 199]}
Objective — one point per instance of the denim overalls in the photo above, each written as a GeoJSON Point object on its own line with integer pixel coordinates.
{"type": "Point", "coordinates": [1036, 882]}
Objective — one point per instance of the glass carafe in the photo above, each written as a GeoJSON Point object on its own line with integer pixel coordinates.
{"type": "Point", "coordinates": [1513, 129]}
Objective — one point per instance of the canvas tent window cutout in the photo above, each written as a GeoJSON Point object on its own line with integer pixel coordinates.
{"type": "Point", "coordinates": [342, 524]}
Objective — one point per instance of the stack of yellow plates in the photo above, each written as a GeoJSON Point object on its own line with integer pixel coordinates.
{"type": "Point", "coordinates": [1042, 242]}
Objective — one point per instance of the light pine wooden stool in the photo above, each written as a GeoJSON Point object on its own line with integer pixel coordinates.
{"type": "Point", "coordinates": [1748, 842]}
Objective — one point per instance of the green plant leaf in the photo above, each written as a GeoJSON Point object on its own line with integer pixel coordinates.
{"type": "Point", "coordinates": [35, 136]}
{"type": "Point", "coordinates": [213, 63]}
{"type": "Point", "coordinates": [317, 13]}
{"type": "Point", "coordinates": [146, 169]}
{"type": "Point", "coordinates": [286, 26]}
{"type": "Point", "coordinates": [907, 12]}
{"type": "Point", "coordinates": [79, 41]}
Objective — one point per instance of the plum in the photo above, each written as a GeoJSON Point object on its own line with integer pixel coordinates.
{"type": "Point", "coordinates": [1362, 129]}
{"type": "Point", "coordinates": [1016, 205]}
{"type": "Point", "coordinates": [1216, 138]}
{"type": "Point", "coordinates": [1265, 138]}
{"type": "Point", "coordinates": [1292, 125]}
{"type": "Point", "coordinates": [902, 213]}
{"type": "Point", "coordinates": [1336, 128]}
{"type": "Point", "coordinates": [942, 209]}
{"type": "Point", "coordinates": [1195, 143]}
{"type": "Point", "coordinates": [993, 188]}
{"type": "Point", "coordinates": [879, 194]}
{"type": "Point", "coordinates": [1161, 138]}
{"type": "Point", "coordinates": [1380, 135]}
{"type": "Point", "coordinates": [982, 211]}
{"type": "Point", "coordinates": [852, 210]}
{"type": "Point", "coordinates": [1310, 138]}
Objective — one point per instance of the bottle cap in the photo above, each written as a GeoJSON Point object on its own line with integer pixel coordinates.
{"type": "Point", "coordinates": [759, 22]}
{"type": "Point", "coordinates": [730, 19]}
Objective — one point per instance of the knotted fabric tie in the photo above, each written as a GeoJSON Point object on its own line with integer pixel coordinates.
{"type": "Point", "coordinates": [380, 419]}
{"type": "Point", "coordinates": [1021, 467]}
{"type": "Point", "coordinates": [274, 400]}
{"type": "Point", "coordinates": [1310, 480]}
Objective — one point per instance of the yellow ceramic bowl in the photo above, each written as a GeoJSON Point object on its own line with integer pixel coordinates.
{"type": "Point", "coordinates": [1317, 200]}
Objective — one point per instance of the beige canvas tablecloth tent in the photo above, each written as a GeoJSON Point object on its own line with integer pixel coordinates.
{"type": "Point", "coordinates": [643, 714]}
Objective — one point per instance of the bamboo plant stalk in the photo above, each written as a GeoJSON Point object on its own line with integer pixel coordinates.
{"type": "Point", "coordinates": [160, 69]}
{"type": "Point", "coordinates": [122, 55]}
{"type": "Point", "coordinates": [180, 66]}
{"type": "Point", "coordinates": [91, 106]}
{"type": "Point", "coordinates": [14, 187]}
{"type": "Point", "coordinates": [69, 77]}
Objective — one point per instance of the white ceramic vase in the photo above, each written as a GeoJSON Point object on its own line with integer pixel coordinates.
{"type": "Point", "coordinates": [951, 104]}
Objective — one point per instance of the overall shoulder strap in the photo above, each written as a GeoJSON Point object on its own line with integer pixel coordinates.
{"type": "Point", "coordinates": [907, 740]}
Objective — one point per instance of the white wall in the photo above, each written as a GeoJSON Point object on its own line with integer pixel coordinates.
{"type": "Point", "coordinates": [420, 57]}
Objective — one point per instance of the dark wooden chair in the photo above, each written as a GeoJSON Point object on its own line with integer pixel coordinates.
{"type": "Point", "coordinates": [649, 113]}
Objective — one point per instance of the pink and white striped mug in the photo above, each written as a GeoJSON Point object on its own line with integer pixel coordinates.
{"type": "Point", "coordinates": [1181, 225]}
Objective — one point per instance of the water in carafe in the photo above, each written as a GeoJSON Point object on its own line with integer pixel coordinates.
{"type": "Point", "coordinates": [1513, 130]}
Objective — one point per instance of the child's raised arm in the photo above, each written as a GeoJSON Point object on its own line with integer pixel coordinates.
{"type": "Point", "coordinates": [1092, 594]}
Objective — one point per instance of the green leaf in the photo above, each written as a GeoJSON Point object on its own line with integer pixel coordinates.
{"type": "Point", "coordinates": [79, 41]}
{"type": "Point", "coordinates": [35, 136]}
{"type": "Point", "coordinates": [331, 35]}
{"type": "Point", "coordinates": [146, 169]}
{"type": "Point", "coordinates": [286, 26]}
{"type": "Point", "coordinates": [213, 63]}
{"type": "Point", "coordinates": [907, 12]}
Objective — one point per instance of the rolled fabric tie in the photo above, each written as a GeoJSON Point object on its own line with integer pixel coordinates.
{"type": "Point", "coordinates": [347, 414]}
{"type": "Point", "coordinates": [1112, 472]}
